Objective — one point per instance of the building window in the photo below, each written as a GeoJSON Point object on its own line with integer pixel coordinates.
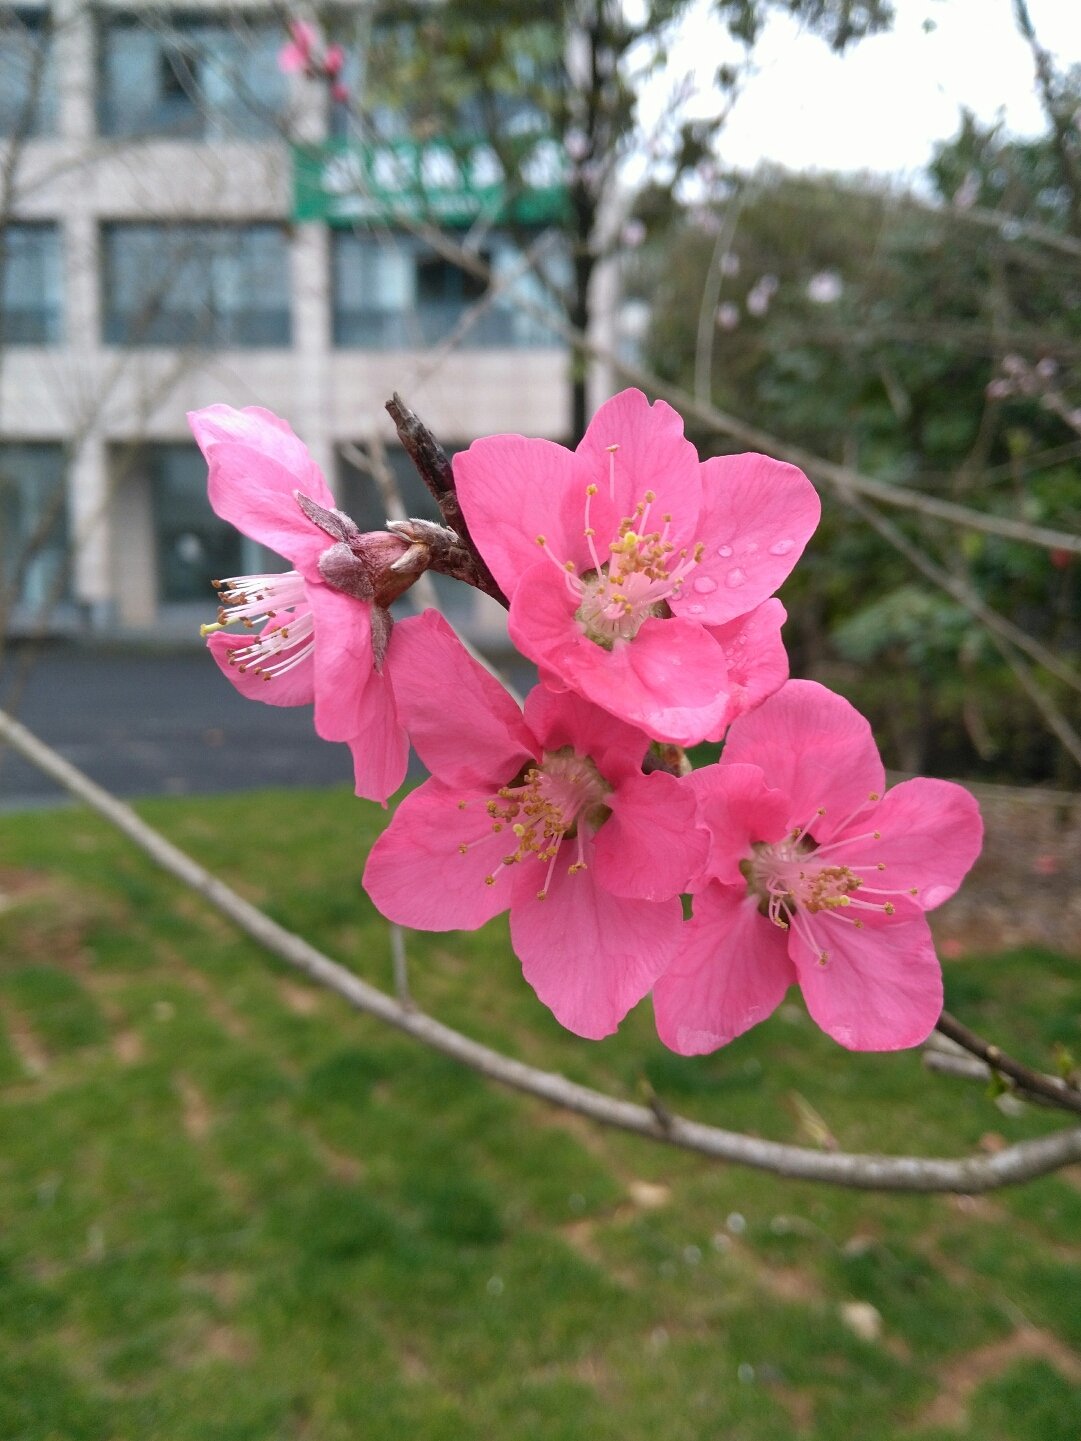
{"type": "Point", "coordinates": [33, 528]}
{"type": "Point", "coordinates": [393, 291]}
{"type": "Point", "coordinates": [211, 285]}
{"type": "Point", "coordinates": [198, 77]}
{"type": "Point", "coordinates": [31, 285]}
{"type": "Point", "coordinates": [192, 546]}
{"type": "Point", "coordinates": [28, 91]}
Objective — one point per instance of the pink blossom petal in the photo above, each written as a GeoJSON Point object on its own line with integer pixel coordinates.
{"type": "Point", "coordinates": [466, 728]}
{"type": "Point", "coordinates": [418, 876]}
{"type": "Point", "coordinates": [561, 718]}
{"type": "Point", "coordinates": [292, 59]}
{"type": "Point", "coordinates": [267, 433]}
{"type": "Point", "coordinates": [256, 466]}
{"type": "Point", "coordinates": [757, 516]}
{"type": "Point", "coordinates": [931, 834]}
{"type": "Point", "coordinates": [304, 33]}
{"type": "Point", "coordinates": [756, 658]}
{"type": "Point", "coordinates": [732, 972]}
{"type": "Point", "coordinates": [670, 680]}
{"type": "Point", "coordinates": [512, 490]}
{"type": "Point", "coordinates": [650, 846]}
{"type": "Point", "coordinates": [295, 687]}
{"type": "Point", "coordinates": [380, 746]}
{"type": "Point", "coordinates": [652, 454]}
{"type": "Point", "coordinates": [590, 956]}
{"type": "Point", "coordinates": [816, 748]}
{"type": "Point", "coordinates": [343, 662]}
{"type": "Point", "coordinates": [738, 809]}
{"type": "Point", "coordinates": [880, 989]}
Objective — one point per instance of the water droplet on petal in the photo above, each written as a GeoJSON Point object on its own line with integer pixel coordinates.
{"type": "Point", "coordinates": [735, 578]}
{"type": "Point", "coordinates": [704, 584]}
{"type": "Point", "coordinates": [695, 609]}
{"type": "Point", "coordinates": [724, 551]}
{"type": "Point", "coordinates": [781, 547]}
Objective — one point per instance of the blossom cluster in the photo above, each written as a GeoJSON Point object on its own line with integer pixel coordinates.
{"type": "Point", "coordinates": [303, 55]}
{"type": "Point", "coordinates": [640, 581]}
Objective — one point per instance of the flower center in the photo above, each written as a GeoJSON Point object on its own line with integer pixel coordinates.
{"type": "Point", "coordinates": [617, 595]}
{"type": "Point", "coordinates": [797, 883]}
{"type": "Point", "coordinates": [560, 798]}
{"type": "Point", "coordinates": [254, 600]}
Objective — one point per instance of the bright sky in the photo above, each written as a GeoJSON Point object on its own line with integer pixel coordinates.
{"type": "Point", "coordinates": [884, 104]}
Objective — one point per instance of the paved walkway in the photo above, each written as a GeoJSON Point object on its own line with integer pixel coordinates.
{"type": "Point", "coordinates": [151, 723]}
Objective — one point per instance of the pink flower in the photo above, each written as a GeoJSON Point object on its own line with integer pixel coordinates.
{"type": "Point", "coordinates": [318, 633]}
{"type": "Point", "coordinates": [333, 60]}
{"type": "Point", "coordinates": [623, 557]}
{"type": "Point", "coordinates": [815, 876]}
{"type": "Point", "coordinates": [296, 56]}
{"type": "Point", "coordinates": [546, 813]}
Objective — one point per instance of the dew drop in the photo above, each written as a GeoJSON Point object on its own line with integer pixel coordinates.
{"type": "Point", "coordinates": [704, 584]}
{"type": "Point", "coordinates": [735, 578]}
{"type": "Point", "coordinates": [725, 551]}
{"type": "Point", "coordinates": [781, 547]}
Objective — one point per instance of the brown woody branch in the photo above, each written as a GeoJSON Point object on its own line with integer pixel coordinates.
{"type": "Point", "coordinates": [434, 469]}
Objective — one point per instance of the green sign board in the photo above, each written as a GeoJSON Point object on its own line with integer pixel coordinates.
{"type": "Point", "coordinates": [442, 182]}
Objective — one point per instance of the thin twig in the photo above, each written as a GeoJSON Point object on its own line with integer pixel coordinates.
{"type": "Point", "coordinates": [434, 469]}
{"type": "Point", "coordinates": [373, 462]}
{"type": "Point", "coordinates": [401, 965]}
{"type": "Point", "coordinates": [1013, 1164]}
{"type": "Point", "coordinates": [1050, 1088]}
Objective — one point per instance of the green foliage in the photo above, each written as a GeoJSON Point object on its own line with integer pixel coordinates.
{"type": "Point", "coordinates": [868, 329]}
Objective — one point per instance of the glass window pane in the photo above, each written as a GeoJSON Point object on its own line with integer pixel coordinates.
{"type": "Point", "coordinates": [33, 527]}
{"type": "Point", "coordinates": [28, 91]}
{"type": "Point", "coordinates": [200, 77]}
{"type": "Point", "coordinates": [212, 285]}
{"type": "Point", "coordinates": [391, 290]}
{"type": "Point", "coordinates": [31, 282]}
{"type": "Point", "coordinates": [194, 548]}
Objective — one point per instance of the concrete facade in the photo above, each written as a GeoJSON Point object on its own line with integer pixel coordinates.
{"type": "Point", "coordinates": [104, 401]}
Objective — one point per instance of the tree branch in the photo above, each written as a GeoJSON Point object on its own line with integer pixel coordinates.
{"type": "Point", "coordinates": [434, 469]}
{"type": "Point", "coordinates": [1020, 1162]}
{"type": "Point", "coordinates": [1049, 1088]}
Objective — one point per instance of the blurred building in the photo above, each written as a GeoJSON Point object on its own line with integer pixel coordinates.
{"type": "Point", "coordinates": [163, 249]}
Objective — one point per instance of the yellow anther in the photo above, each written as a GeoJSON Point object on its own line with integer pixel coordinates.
{"type": "Point", "coordinates": [463, 849]}
{"type": "Point", "coordinates": [874, 796]}
{"type": "Point", "coordinates": [881, 866]}
{"type": "Point", "coordinates": [651, 496]}
{"type": "Point", "coordinates": [889, 908]}
{"type": "Point", "coordinates": [489, 880]}
{"type": "Point", "coordinates": [568, 565]}
{"type": "Point", "coordinates": [591, 489]}
{"type": "Point", "coordinates": [542, 540]}
{"type": "Point", "coordinates": [611, 449]}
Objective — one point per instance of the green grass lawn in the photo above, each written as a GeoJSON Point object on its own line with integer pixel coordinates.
{"type": "Point", "coordinates": [233, 1210]}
